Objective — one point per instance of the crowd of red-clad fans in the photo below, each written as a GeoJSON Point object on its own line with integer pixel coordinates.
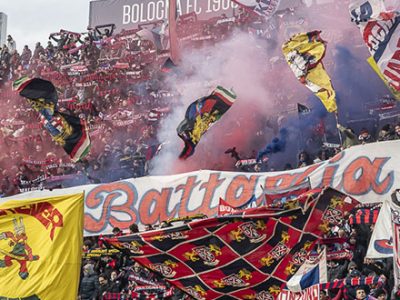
{"type": "Point", "coordinates": [113, 81]}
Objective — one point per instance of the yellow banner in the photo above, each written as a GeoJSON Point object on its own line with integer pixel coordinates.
{"type": "Point", "coordinates": [304, 53]}
{"type": "Point", "coordinates": [375, 67]}
{"type": "Point", "coordinates": [41, 247]}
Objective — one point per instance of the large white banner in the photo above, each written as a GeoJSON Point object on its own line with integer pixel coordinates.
{"type": "Point", "coordinates": [368, 173]}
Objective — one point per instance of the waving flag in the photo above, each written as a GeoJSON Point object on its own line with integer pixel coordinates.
{"type": "Point", "coordinates": [264, 8]}
{"type": "Point", "coordinates": [375, 67]}
{"type": "Point", "coordinates": [310, 273]}
{"type": "Point", "coordinates": [304, 53]}
{"type": "Point", "coordinates": [68, 131]}
{"type": "Point", "coordinates": [381, 242]}
{"type": "Point", "coordinates": [201, 115]}
{"type": "Point", "coordinates": [41, 247]}
{"type": "Point", "coordinates": [246, 256]}
{"type": "Point", "coordinates": [380, 31]}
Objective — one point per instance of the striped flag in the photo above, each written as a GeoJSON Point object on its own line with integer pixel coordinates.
{"type": "Point", "coordinates": [365, 216]}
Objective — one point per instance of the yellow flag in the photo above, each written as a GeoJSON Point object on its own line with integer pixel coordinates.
{"type": "Point", "coordinates": [304, 53]}
{"type": "Point", "coordinates": [40, 247]}
{"type": "Point", "coordinates": [375, 67]}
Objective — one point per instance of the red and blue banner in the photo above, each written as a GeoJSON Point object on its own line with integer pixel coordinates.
{"type": "Point", "coordinates": [241, 256]}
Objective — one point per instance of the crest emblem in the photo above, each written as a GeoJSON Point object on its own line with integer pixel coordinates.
{"type": "Point", "coordinates": [133, 247]}
{"type": "Point", "coordinates": [279, 251]}
{"type": "Point", "coordinates": [166, 268]}
{"type": "Point", "coordinates": [207, 254]}
{"type": "Point", "coordinates": [196, 292]}
{"type": "Point", "coordinates": [235, 280]}
{"type": "Point", "coordinates": [299, 257]}
{"type": "Point", "coordinates": [178, 236]}
{"type": "Point", "coordinates": [264, 295]}
{"type": "Point", "coordinates": [333, 216]}
{"type": "Point", "coordinates": [249, 229]}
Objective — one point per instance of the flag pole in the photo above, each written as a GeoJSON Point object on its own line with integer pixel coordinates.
{"type": "Point", "coordinates": [337, 123]}
{"type": "Point", "coordinates": [174, 47]}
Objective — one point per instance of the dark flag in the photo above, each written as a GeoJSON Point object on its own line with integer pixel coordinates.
{"type": "Point", "coordinates": [249, 255]}
{"type": "Point", "coordinates": [68, 131]}
{"type": "Point", "coordinates": [302, 109]}
{"type": "Point", "coordinates": [200, 115]}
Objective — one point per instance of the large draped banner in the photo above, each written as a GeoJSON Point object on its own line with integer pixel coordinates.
{"type": "Point", "coordinates": [368, 173]}
{"type": "Point", "coordinates": [250, 255]}
{"type": "Point", "coordinates": [41, 247]}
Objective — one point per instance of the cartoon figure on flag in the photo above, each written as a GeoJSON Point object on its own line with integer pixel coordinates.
{"type": "Point", "coordinates": [21, 252]}
{"type": "Point", "coordinates": [304, 53]}
{"type": "Point", "coordinates": [34, 254]}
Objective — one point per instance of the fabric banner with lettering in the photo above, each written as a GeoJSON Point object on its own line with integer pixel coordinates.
{"type": "Point", "coordinates": [244, 256]}
{"type": "Point", "coordinates": [311, 293]}
{"type": "Point", "coordinates": [367, 173]}
{"type": "Point", "coordinates": [201, 115]}
{"type": "Point", "coordinates": [41, 243]}
{"type": "Point", "coordinates": [304, 53]}
{"type": "Point", "coordinates": [380, 32]}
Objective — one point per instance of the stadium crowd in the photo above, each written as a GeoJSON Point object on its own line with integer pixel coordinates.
{"type": "Point", "coordinates": [115, 82]}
